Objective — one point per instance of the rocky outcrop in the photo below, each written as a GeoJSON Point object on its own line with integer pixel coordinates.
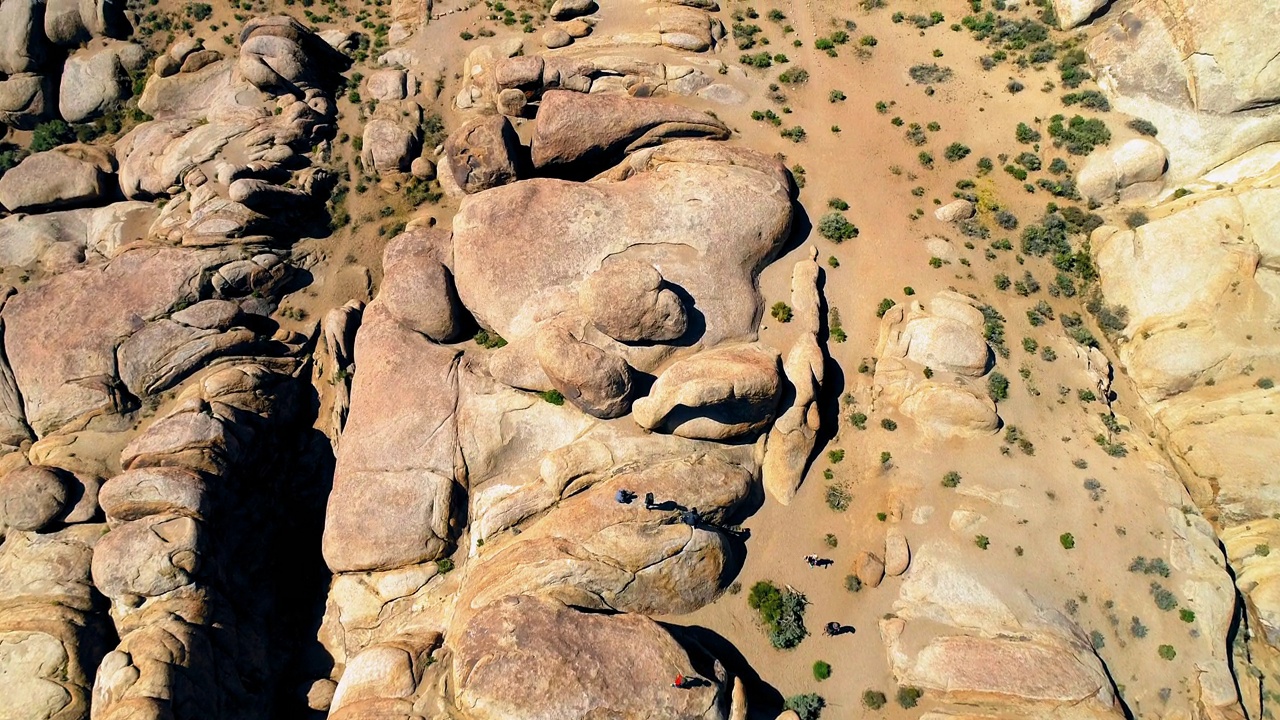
{"type": "Point", "coordinates": [1195, 70]}
{"type": "Point", "coordinates": [483, 153]}
{"type": "Point", "coordinates": [66, 176]}
{"type": "Point", "coordinates": [97, 77]}
{"type": "Point", "coordinates": [792, 437]}
{"type": "Point", "coordinates": [629, 302]}
{"type": "Point", "coordinates": [522, 250]}
{"type": "Point", "coordinates": [570, 660]}
{"type": "Point", "coordinates": [1109, 173]}
{"type": "Point", "coordinates": [719, 394]}
{"type": "Point", "coordinates": [946, 340]}
{"type": "Point", "coordinates": [1071, 13]}
{"type": "Point", "coordinates": [578, 133]}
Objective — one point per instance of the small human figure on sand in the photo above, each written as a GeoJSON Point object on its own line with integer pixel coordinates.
{"type": "Point", "coordinates": [812, 560]}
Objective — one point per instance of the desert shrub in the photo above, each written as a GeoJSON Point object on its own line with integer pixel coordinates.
{"type": "Point", "coordinates": [873, 699]}
{"type": "Point", "coordinates": [760, 60]}
{"type": "Point", "coordinates": [782, 612]}
{"type": "Point", "coordinates": [489, 340]}
{"type": "Point", "coordinates": [808, 706]}
{"type": "Point", "coordinates": [794, 134]}
{"type": "Point", "coordinates": [915, 135]}
{"type": "Point", "coordinates": [838, 498]}
{"type": "Point", "coordinates": [951, 479]}
{"type": "Point", "coordinates": [1067, 540]}
{"type": "Point", "coordinates": [745, 35]}
{"type": "Point", "coordinates": [1136, 628]}
{"type": "Point", "coordinates": [1265, 383]}
{"type": "Point", "coordinates": [982, 541]}
{"type": "Point", "coordinates": [888, 424]}
{"type": "Point", "coordinates": [1136, 219]}
{"type": "Point", "coordinates": [1078, 135]}
{"type": "Point", "coordinates": [794, 76]}
{"type": "Point", "coordinates": [552, 396]}
{"type": "Point", "coordinates": [837, 204]}
{"type": "Point", "coordinates": [885, 305]}
{"type": "Point", "coordinates": [1165, 600]}
{"type": "Point", "coordinates": [836, 96]}
{"type": "Point", "coordinates": [1071, 68]}
{"type": "Point", "coordinates": [444, 565]}
{"type": "Point", "coordinates": [821, 670]}
{"type": "Point", "coordinates": [926, 159]}
{"type": "Point", "coordinates": [1142, 127]}
{"type": "Point", "coordinates": [1058, 166]}
{"type": "Point", "coordinates": [956, 152]}
{"type": "Point", "coordinates": [199, 11]}
{"type": "Point", "coordinates": [858, 419]}
{"type": "Point", "coordinates": [781, 312]}
{"type": "Point", "coordinates": [909, 696]}
{"type": "Point", "coordinates": [836, 228]}
{"type": "Point", "coordinates": [1167, 652]}
{"type": "Point", "coordinates": [51, 134]}
{"type": "Point", "coordinates": [930, 74]}
{"type": "Point", "coordinates": [1028, 160]}
{"type": "Point", "coordinates": [1091, 99]}
{"type": "Point", "coordinates": [852, 583]}
{"type": "Point", "coordinates": [868, 41]}
{"type": "Point", "coordinates": [1187, 616]}
{"type": "Point", "coordinates": [1026, 134]}
{"type": "Point", "coordinates": [10, 156]}
{"type": "Point", "coordinates": [998, 386]}
{"type": "Point", "coordinates": [1006, 219]}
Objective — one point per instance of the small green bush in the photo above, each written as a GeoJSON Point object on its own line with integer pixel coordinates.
{"type": "Point", "coordinates": [51, 134]}
{"type": "Point", "coordinates": [808, 706]}
{"type": "Point", "coordinates": [781, 312]}
{"type": "Point", "coordinates": [1026, 134]}
{"type": "Point", "coordinates": [821, 670]}
{"type": "Point", "coordinates": [837, 228]}
{"type": "Point", "coordinates": [951, 479]}
{"type": "Point", "coordinates": [956, 152]}
{"type": "Point", "coordinates": [909, 696]}
{"type": "Point", "coordinates": [998, 386]}
{"type": "Point", "coordinates": [873, 699]}
{"type": "Point", "coordinates": [1067, 540]}
{"type": "Point", "coordinates": [1143, 127]}
{"type": "Point", "coordinates": [1166, 652]}
{"type": "Point", "coordinates": [555, 397]}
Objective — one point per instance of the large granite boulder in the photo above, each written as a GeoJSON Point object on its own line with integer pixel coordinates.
{"type": "Point", "coordinates": [1198, 70]}
{"type": "Point", "coordinates": [580, 133]}
{"type": "Point", "coordinates": [483, 153]}
{"type": "Point", "coordinates": [417, 285]}
{"type": "Point", "coordinates": [1105, 174]}
{"type": "Point", "coordinates": [629, 302]}
{"type": "Point", "coordinates": [395, 479]}
{"type": "Point", "coordinates": [533, 658]}
{"type": "Point", "coordinates": [65, 176]}
{"type": "Point", "coordinates": [719, 394]}
{"type": "Point", "coordinates": [25, 100]}
{"type": "Point", "coordinates": [97, 77]}
{"type": "Point", "coordinates": [1071, 13]}
{"type": "Point", "coordinates": [521, 251]}
{"type": "Point", "coordinates": [22, 47]}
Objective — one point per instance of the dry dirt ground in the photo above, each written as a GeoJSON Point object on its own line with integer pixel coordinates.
{"type": "Point", "coordinates": [1029, 500]}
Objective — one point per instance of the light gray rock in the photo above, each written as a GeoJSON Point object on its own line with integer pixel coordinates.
{"type": "Point", "coordinates": [65, 176]}
{"type": "Point", "coordinates": [33, 497]}
{"type": "Point", "coordinates": [25, 100]}
{"type": "Point", "coordinates": [21, 36]}
{"type": "Point", "coordinates": [556, 38]}
{"type": "Point", "coordinates": [567, 9]}
{"type": "Point", "coordinates": [1107, 173]}
{"type": "Point", "coordinates": [389, 146]}
{"type": "Point", "coordinates": [1072, 13]}
{"type": "Point", "coordinates": [94, 79]}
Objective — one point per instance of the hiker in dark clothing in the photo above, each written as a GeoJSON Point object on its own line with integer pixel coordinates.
{"type": "Point", "coordinates": [624, 496]}
{"type": "Point", "coordinates": [691, 517]}
{"type": "Point", "coordinates": [648, 501]}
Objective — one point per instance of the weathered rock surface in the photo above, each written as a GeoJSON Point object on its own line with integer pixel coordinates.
{"type": "Point", "coordinates": [393, 485]}
{"type": "Point", "coordinates": [483, 153]}
{"type": "Point", "coordinates": [33, 497]}
{"type": "Point", "coordinates": [629, 302]}
{"type": "Point", "coordinates": [1107, 173]}
{"type": "Point", "coordinates": [577, 133]}
{"type": "Point", "coordinates": [25, 100]}
{"type": "Point", "coordinates": [95, 78]}
{"type": "Point", "coordinates": [571, 662]}
{"type": "Point", "coordinates": [596, 381]}
{"type": "Point", "coordinates": [61, 337]}
{"type": "Point", "coordinates": [418, 287]}
{"type": "Point", "coordinates": [718, 394]}
{"type": "Point", "coordinates": [663, 204]}
{"type": "Point", "coordinates": [1196, 71]}
{"type": "Point", "coordinates": [66, 176]}
{"type": "Point", "coordinates": [791, 440]}
{"type": "Point", "coordinates": [1071, 13]}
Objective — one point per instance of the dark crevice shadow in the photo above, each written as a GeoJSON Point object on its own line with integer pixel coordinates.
{"type": "Point", "coordinates": [764, 702]}
{"type": "Point", "coordinates": [833, 378]}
